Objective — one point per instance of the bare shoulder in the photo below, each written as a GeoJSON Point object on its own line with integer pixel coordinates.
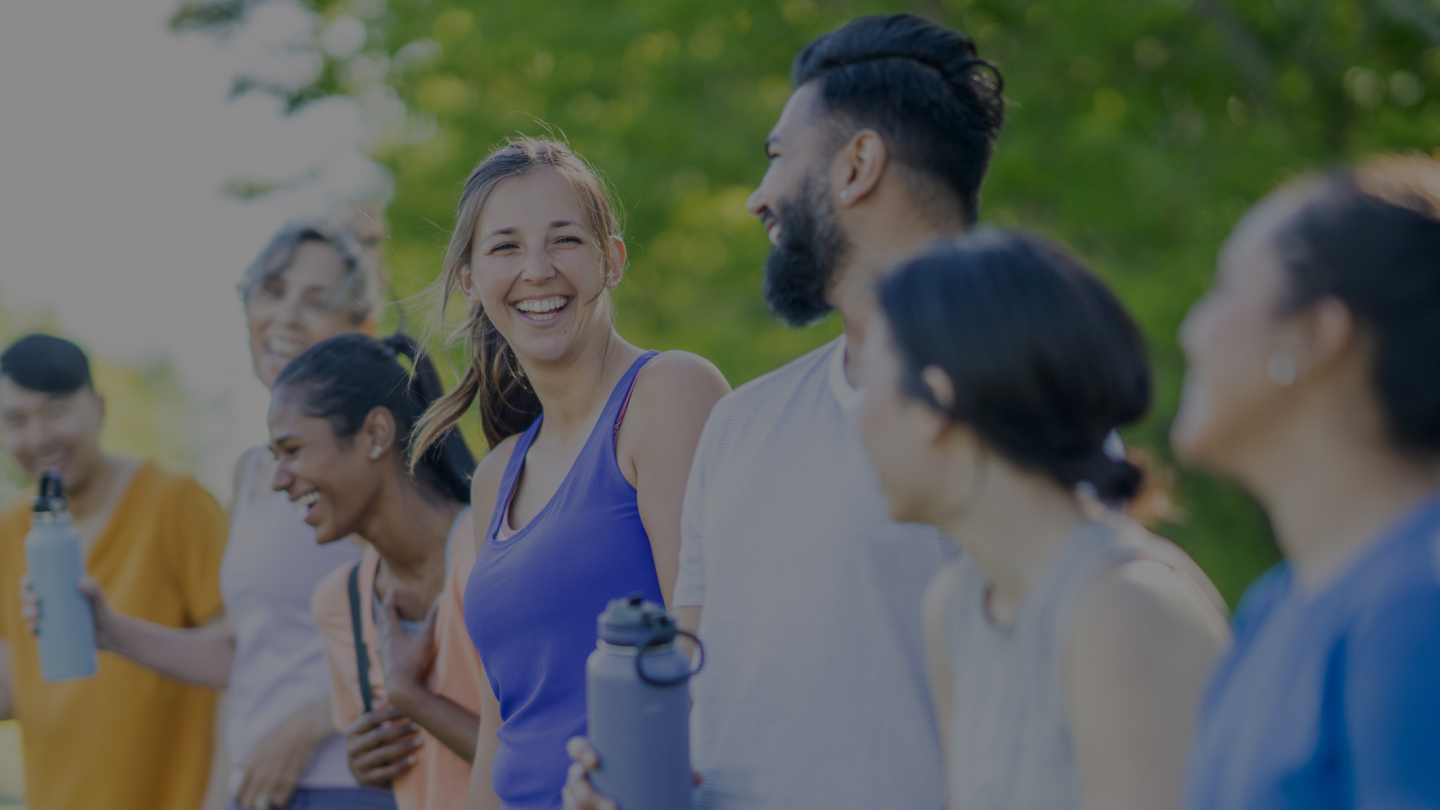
{"type": "Point", "coordinates": [1145, 607]}
{"type": "Point", "coordinates": [679, 376]}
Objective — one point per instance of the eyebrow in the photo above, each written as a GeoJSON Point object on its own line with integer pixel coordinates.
{"type": "Point", "coordinates": [511, 229]}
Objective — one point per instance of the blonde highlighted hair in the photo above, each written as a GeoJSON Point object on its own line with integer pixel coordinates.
{"type": "Point", "coordinates": [493, 377]}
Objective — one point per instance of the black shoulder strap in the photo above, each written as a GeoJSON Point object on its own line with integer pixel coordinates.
{"type": "Point", "coordinates": [362, 654]}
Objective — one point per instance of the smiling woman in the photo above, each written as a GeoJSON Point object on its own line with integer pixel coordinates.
{"type": "Point", "coordinates": [592, 438]}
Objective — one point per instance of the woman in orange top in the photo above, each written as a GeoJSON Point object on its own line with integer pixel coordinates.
{"type": "Point", "coordinates": [340, 422]}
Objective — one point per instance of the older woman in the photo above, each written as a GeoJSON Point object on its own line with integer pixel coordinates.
{"type": "Point", "coordinates": [1314, 382]}
{"type": "Point", "coordinates": [313, 281]}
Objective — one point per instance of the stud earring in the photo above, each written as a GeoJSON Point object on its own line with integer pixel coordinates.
{"type": "Point", "coordinates": [845, 194]}
{"type": "Point", "coordinates": [376, 451]}
{"type": "Point", "coordinates": [1281, 369]}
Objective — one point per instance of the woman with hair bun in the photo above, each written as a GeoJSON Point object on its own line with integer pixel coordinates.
{"type": "Point", "coordinates": [1067, 646]}
{"type": "Point", "coordinates": [341, 420]}
{"type": "Point", "coordinates": [1314, 382]}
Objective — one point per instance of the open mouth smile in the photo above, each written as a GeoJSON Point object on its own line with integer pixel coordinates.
{"type": "Point", "coordinates": [542, 310]}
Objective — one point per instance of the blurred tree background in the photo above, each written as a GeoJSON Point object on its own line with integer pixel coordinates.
{"type": "Point", "coordinates": [1138, 132]}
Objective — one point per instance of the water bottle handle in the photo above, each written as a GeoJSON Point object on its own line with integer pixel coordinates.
{"type": "Point", "coordinates": [640, 656]}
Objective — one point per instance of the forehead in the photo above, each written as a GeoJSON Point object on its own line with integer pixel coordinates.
{"type": "Point", "coordinates": [542, 194]}
{"type": "Point", "coordinates": [15, 397]}
{"type": "Point", "coordinates": [1253, 237]}
{"type": "Point", "coordinates": [799, 116]}
{"type": "Point", "coordinates": [314, 264]}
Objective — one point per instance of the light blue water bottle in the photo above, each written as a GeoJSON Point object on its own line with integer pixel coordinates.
{"type": "Point", "coordinates": [66, 628]}
{"type": "Point", "coordinates": [638, 705]}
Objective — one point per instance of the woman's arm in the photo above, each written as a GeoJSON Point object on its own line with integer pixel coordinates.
{"type": "Point", "coordinates": [673, 397]}
{"type": "Point", "coordinates": [406, 661]}
{"type": "Point", "coordinates": [1139, 654]}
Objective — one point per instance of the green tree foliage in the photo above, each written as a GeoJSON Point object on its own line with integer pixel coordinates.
{"type": "Point", "coordinates": [1138, 132]}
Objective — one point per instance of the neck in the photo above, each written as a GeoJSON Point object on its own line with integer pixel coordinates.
{"type": "Point", "coordinates": [571, 388]}
{"type": "Point", "coordinates": [1328, 501]}
{"type": "Point", "coordinates": [91, 496]}
{"type": "Point", "coordinates": [409, 526]}
{"type": "Point", "coordinates": [874, 252]}
{"type": "Point", "coordinates": [1011, 530]}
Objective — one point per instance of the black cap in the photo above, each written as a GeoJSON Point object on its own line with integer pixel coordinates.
{"type": "Point", "coordinates": [632, 621]}
{"type": "Point", "coordinates": [47, 364]}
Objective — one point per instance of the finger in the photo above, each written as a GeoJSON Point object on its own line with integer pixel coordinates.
{"type": "Point", "coordinates": [245, 796]}
{"type": "Point", "coordinates": [282, 791]}
{"type": "Point", "coordinates": [389, 772]}
{"type": "Point", "coordinates": [581, 751]}
{"type": "Point", "coordinates": [387, 754]}
{"type": "Point", "coordinates": [427, 632]}
{"type": "Point", "coordinates": [370, 720]}
{"type": "Point", "coordinates": [393, 732]}
{"type": "Point", "coordinates": [92, 591]}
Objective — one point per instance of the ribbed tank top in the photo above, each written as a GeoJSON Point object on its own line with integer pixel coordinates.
{"type": "Point", "coordinates": [533, 598]}
{"type": "Point", "coordinates": [271, 567]}
{"type": "Point", "coordinates": [1010, 746]}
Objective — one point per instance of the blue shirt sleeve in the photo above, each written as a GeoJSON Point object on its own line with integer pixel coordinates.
{"type": "Point", "coordinates": [1392, 705]}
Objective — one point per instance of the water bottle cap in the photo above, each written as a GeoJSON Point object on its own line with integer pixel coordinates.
{"type": "Point", "coordinates": [52, 493]}
{"type": "Point", "coordinates": [631, 621]}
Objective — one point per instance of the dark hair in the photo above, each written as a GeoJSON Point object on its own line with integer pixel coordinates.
{"type": "Point", "coordinates": [344, 378]}
{"type": "Point", "coordinates": [356, 242]}
{"type": "Point", "coordinates": [47, 364]}
{"type": "Point", "coordinates": [938, 106]}
{"type": "Point", "coordinates": [1044, 360]}
{"type": "Point", "coordinates": [1371, 238]}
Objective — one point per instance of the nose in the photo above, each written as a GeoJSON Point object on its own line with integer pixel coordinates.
{"type": "Point", "coordinates": [283, 479]}
{"type": "Point", "coordinates": [538, 267]}
{"type": "Point", "coordinates": [755, 203]}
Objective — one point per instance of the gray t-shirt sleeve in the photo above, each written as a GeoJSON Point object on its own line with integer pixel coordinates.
{"type": "Point", "coordinates": [690, 582]}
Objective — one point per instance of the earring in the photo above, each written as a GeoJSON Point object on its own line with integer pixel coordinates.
{"type": "Point", "coordinates": [1281, 369]}
{"type": "Point", "coordinates": [376, 451]}
{"type": "Point", "coordinates": [845, 194]}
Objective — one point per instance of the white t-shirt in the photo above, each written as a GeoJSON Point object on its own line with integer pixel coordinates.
{"type": "Point", "coordinates": [814, 692]}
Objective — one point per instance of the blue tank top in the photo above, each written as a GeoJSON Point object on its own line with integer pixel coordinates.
{"type": "Point", "coordinates": [532, 601]}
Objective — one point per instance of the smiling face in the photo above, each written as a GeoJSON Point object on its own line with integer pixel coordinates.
{"type": "Point", "coordinates": [1230, 337]}
{"type": "Point", "coordinates": [541, 275]}
{"type": "Point", "coordinates": [793, 202]}
{"type": "Point", "coordinates": [332, 478]}
{"type": "Point", "coordinates": [52, 431]}
{"type": "Point", "coordinates": [297, 308]}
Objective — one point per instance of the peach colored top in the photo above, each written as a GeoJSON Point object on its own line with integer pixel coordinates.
{"type": "Point", "coordinates": [440, 780]}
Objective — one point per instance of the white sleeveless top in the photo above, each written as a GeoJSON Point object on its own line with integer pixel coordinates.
{"type": "Point", "coordinates": [271, 567]}
{"type": "Point", "coordinates": [1010, 745]}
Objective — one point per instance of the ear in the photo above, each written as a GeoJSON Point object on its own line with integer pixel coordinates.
{"type": "Point", "coordinates": [859, 165]}
{"type": "Point", "coordinates": [942, 389]}
{"type": "Point", "coordinates": [466, 282]}
{"type": "Point", "coordinates": [616, 269]}
{"type": "Point", "coordinates": [377, 434]}
{"type": "Point", "coordinates": [1323, 337]}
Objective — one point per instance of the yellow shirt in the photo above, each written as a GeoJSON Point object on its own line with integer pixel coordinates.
{"type": "Point", "coordinates": [126, 739]}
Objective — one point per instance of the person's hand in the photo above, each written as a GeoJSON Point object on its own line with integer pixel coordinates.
{"type": "Point", "coordinates": [579, 794]}
{"type": "Point", "coordinates": [405, 659]}
{"type": "Point", "coordinates": [275, 764]}
{"type": "Point", "coordinates": [106, 621]}
{"type": "Point", "coordinates": [380, 746]}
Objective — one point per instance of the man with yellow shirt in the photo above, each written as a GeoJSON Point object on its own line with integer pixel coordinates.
{"type": "Point", "coordinates": [126, 739]}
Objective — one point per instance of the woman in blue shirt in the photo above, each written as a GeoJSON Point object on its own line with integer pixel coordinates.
{"type": "Point", "coordinates": [1314, 382]}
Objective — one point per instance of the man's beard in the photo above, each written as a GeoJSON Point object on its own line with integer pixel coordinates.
{"type": "Point", "coordinates": [800, 270]}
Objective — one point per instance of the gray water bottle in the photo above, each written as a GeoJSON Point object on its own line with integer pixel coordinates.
{"type": "Point", "coordinates": [638, 701]}
{"type": "Point", "coordinates": [53, 554]}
